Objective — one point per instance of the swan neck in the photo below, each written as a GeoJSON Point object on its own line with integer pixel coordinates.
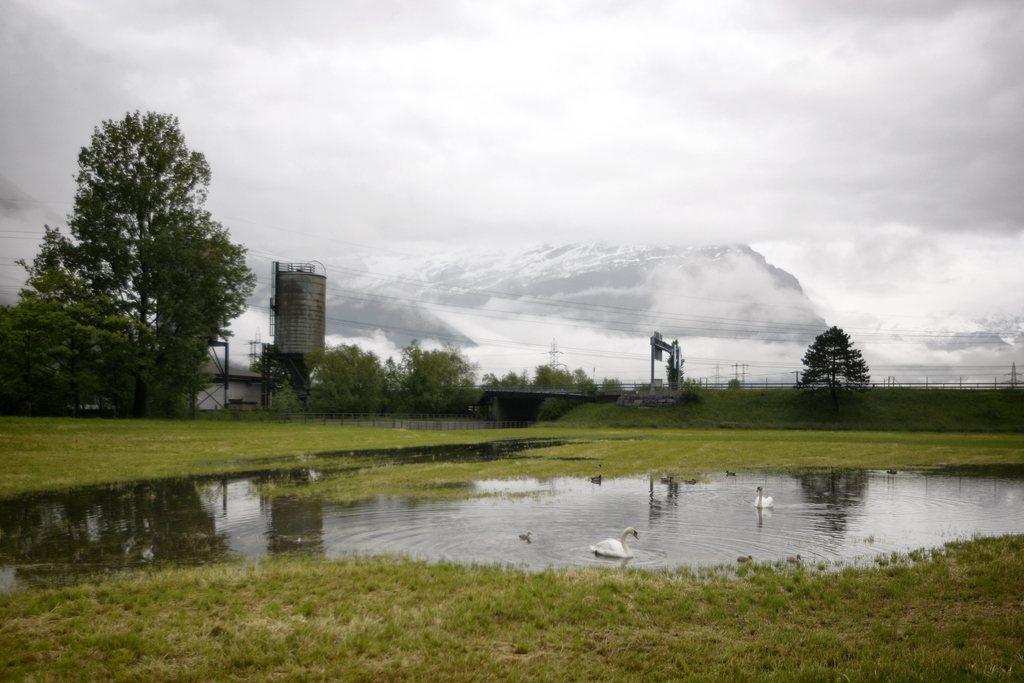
{"type": "Point", "coordinates": [622, 540]}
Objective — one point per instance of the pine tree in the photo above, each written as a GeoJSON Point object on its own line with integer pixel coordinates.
{"type": "Point", "coordinates": [832, 364]}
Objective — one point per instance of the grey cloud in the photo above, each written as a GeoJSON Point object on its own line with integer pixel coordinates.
{"type": "Point", "coordinates": [409, 124]}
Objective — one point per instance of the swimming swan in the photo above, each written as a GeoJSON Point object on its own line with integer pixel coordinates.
{"type": "Point", "coordinates": [609, 547]}
{"type": "Point", "coordinates": [763, 501]}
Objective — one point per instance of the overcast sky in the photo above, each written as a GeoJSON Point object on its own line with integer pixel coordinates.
{"type": "Point", "coordinates": [873, 149]}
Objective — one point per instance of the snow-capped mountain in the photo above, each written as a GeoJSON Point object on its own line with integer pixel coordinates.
{"type": "Point", "coordinates": [722, 291]}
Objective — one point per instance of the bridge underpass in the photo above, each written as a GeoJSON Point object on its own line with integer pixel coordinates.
{"type": "Point", "coordinates": [523, 404]}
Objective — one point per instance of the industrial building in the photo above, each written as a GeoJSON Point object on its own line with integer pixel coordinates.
{"type": "Point", "coordinates": [243, 390]}
{"type": "Point", "coordinates": [298, 314]}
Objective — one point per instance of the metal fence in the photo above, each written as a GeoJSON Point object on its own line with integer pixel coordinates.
{"type": "Point", "coordinates": [958, 385]}
{"type": "Point", "coordinates": [419, 421]}
{"type": "Point", "coordinates": [641, 385]}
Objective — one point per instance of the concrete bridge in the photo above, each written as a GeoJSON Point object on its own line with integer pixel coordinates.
{"type": "Point", "coordinates": [523, 403]}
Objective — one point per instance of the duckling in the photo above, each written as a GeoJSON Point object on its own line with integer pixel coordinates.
{"type": "Point", "coordinates": [525, 536]}
{"type": "Point", "coordinates": [743, 559]}
{"type": "Point", "coordinates": [691, 481]}
{"type": "Point", "coordinates": [891, 472]}
{"type": "Point", "coordinates": [795, 559]}
{"type": "Point", "coordinates": [730, 474]}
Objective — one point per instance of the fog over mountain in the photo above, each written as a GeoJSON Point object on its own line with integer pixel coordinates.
{"type": "Point", "coordinates": [728, 305]}
{"type": "Point", "coordinates": [727, 291]}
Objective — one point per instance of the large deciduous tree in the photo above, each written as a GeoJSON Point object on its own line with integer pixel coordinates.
{"type": "Point", "coordinates": [141, 237]}
{"type": "Point", "coordinates": [346, 379]}
{"type": "Point", "coordinates": [434, 381]}
{"type": "Point", "coordinates": [832, 364]}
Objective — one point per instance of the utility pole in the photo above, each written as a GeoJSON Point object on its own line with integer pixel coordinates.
{"type": "Point", "coordinates": [1013, 375]}
{"type": "Point", "coordinates": [736, 371]}
{"type": "Point", "coordinates": [744, 371]}
{"type": "Point", "coordinates": [718, 379]}
{"type": "Point", "coordinates": [796, 380]}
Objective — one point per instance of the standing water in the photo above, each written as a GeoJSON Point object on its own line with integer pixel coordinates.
{"type": "Point", "coordinates": [849, 515]}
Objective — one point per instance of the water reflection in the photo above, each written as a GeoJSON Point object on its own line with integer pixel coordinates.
{"type": "Point", "coordinates": [55, 535]}
{"type": "Point", "coordinates": [61, 537]}
{"type": "Point", "coordinates": [838, 494]}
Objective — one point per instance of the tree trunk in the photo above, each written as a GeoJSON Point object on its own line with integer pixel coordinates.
{"type": "Point", "coordinates": [139, 401]}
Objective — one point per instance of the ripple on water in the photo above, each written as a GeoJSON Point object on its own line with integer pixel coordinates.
{"type": "Point", "coordinates": [46, 538]}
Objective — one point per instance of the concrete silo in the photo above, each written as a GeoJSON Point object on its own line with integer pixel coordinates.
{"type": "Point", "coordinates": [298, 306]}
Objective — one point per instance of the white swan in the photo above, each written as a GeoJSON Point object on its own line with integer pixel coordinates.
{"type": "Point", "coordinates": [610, 547]}
{"type": "Point", "coordinates": [763, 501]}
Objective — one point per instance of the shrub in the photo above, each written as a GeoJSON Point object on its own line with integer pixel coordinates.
{"type": "Point", "coordinates": [285, 401]}
{"type": "Point", "coordinates": [691, 391]}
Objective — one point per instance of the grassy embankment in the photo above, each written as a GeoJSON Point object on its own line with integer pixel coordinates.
{"type": "Point", "coordinates": [877, 409]}
{"type": "Point", "coordinates": [957, 614]}
{"type": "Point", "coordinates": [38, 454]}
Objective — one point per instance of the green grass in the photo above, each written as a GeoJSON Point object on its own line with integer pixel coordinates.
{"type": "Point", "coordinates": [40, 454]}
{"type": "Point", "coordinates": [52, 453]}
{"type": "Point", "coordinates": [684, 453]}
{"type": "Point", "coordinates": [877, 409]}
{"type": "Point", "coordinates": [954, 614]}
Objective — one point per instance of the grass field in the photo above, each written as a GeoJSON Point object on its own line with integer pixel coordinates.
{"type": "Point", "coordinates": [683, 453]}
{"type": "Point", "coordinates": [957, 614]}
{"type": "Point", "coordinates": [877, 409]}
{"type": "Point", "coordinates": [49, 453]}
{"type": "Point", "coordinates": [41, 453]}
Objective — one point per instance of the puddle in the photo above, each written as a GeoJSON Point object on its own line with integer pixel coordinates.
{"type": "Point", "coordinates": [844, 516]}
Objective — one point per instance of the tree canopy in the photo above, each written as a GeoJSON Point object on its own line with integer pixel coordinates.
{"type": "Point", "coordinates": [509, 380]}
{"type": "Point", "coordinates": [832, 364]}
{"type": "Point", "coordinates": [346, 379]}
{"type": "Point", "coordinates": [142, 241]}
{"type": "Point", "coordinates": [434, 381]}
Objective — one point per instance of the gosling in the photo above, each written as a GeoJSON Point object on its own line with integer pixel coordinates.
{"type": "Point", "coordinates": [891, 472]}
{"type": "Point", "coordinates": [595, 480]}
{"type": "Point", "coordinates": [795, 559]}
{"type": "Point", "coordinates": [666, 479]}
{"type": "Point", "coordinates": [691, 481]}
{"type": "Point", "coordinates": [525, 537]}
{"type": "Point", "coordinates": [730, 474]}
{"type": "Point", "coordinates": [743, 559]}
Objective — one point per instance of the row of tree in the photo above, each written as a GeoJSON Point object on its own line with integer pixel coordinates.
{"type": "Point", "coordinates": [347, 379]}
{"type": "Point", "coordinates": [549, 376]}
